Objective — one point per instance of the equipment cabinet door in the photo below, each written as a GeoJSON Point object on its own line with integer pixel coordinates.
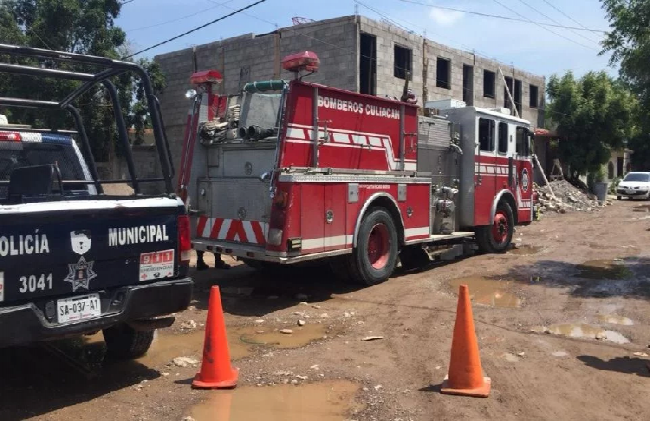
{"type": "Point", "coordinates": [335, 217]}
{"type": "Point", "coordinates": [312, 211]}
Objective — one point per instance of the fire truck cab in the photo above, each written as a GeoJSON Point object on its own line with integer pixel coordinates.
{"type": "Point", "coordinates": [292, 171]}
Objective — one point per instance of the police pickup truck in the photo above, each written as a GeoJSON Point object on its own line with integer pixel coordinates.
{"type": "Point", "coordinates": [75, 260]}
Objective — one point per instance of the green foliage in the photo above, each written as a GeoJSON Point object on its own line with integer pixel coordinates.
{"type": "Point", "coordinates": [79, 26]}
{"type": "Point", "coordinates": [629, 43]}
{"type": "Point", "coordinates": [612, 186]}
{"type": "Point", "coordinates": [593, 115]}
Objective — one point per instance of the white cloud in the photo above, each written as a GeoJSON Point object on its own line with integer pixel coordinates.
{"type": "Point", "coordinates": [445, 17]}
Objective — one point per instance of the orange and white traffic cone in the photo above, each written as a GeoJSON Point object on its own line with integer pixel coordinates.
{"type": "Point", "coordinates": [216, 371]}
{"type": "Point", "coordinates": [465, 373]}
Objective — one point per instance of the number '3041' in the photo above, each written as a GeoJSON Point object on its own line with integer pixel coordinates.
{"type": "Point", "coordinates": [33, 282]}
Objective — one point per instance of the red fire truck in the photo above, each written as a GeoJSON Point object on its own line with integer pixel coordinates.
{"type": "Point", "coordinates": [287, 172]}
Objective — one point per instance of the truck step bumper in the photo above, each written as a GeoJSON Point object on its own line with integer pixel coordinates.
{"type": "Point", "coordinates": [26, 323]}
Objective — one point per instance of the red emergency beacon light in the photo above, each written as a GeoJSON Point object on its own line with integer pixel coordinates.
{"type": "Point", "coordinates": [304, 61]}
{"type": "Point", "coordinates": [10, 137]}
{"type": "Point", "coordinates": [206, 76]}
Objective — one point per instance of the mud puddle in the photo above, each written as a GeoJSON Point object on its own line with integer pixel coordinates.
{"type": "Point", "coordinates": [491, 292]}
{"type": "Point", "coordinates": [525, 249]}
{"type": "Point", "coordinates": [166, 347]}
{"type": "Point", "coordinates": [241, 342]}
{"type": "Point", "coordinates": [88, 353]}
{"type": "Point", "coordinates": [615, 319]}
{"type": "Point", "coordinates": [326, 401]}
{"type": "Point", "coordinates": [271, 336]}
{"type": "Point", "coordinates": [584, 331]}
{"type": "Point", "coordinates": [603, 269]}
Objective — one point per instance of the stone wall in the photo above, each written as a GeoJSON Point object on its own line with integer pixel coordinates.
{"type": "Point", "coordinates": [146, 163]}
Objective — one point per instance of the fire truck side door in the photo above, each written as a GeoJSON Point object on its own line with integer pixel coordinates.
{"type": "Point", "coordinates": [486, 173]}
{"type": "Point", "coordinates": [524, 174]}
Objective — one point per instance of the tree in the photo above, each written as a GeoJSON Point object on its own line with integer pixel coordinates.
{"type": "Point", "coordinates": [629, 43]}
{"type": "Point", "coordinates": [593, 115]}
{"type": "Point", "coordinates": [79, 26]}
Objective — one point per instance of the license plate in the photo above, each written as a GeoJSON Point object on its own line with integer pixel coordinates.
{"type": "Point", "coordinates": [629, 191]}
{"type": "Point", "coordinates": [78, 308]}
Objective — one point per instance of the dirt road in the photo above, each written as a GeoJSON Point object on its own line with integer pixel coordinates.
{"type": "Point", "coordinates": [562, 326]}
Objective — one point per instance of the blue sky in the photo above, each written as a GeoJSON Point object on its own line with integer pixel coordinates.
{"type": "Point", "coordinates": [525, 45]}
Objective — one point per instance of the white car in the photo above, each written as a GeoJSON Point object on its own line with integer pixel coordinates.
{"type": "Point", "coordinates": [634, 185]}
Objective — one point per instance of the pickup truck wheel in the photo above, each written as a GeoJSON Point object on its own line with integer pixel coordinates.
{"type": "Point", "coordinates": [496, 238]}
{"type": "Point", "coordinates": [374, 259]}
{"type": "Point", "coordinates": [124, 342]}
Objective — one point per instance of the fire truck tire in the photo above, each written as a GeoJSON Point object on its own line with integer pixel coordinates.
{"type": "Point", "coordinates": [374, 259]}
{"type": "Point", "coordinates": [125, 343]}
{"type": "Point", "coordinates": [496, 238]}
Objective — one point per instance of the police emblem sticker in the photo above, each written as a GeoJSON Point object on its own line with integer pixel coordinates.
{"type": "Point", "coordinates": [81, 273]}
{"type": "Point", "coordinates": [157, 265]}
{"type": "Point", "coordinates": [80, 241]}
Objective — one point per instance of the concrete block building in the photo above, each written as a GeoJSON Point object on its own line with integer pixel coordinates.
{"type": "Point", "coordinates": [356, 53]}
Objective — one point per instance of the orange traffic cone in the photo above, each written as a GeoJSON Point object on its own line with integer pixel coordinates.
{"type": "Point", "coordinates": [216, 371]}
{"type": "Point", "coordinates": [465, 373]}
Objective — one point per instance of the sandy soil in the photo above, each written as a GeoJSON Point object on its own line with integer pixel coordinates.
{"type": "Point", "coordinates": [559, 340]}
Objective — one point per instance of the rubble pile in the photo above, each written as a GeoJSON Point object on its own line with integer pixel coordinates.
{"type": "Point", "coordinates": [567, 198]}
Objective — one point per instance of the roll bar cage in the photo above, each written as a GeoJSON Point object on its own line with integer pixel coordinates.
{"type": "Point", "coordinates": [108, 68]}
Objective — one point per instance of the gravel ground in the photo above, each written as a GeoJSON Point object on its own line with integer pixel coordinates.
{"type": "Point", "coordinates": [561, 321]}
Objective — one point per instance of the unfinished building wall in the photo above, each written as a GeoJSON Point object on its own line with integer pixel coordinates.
{"type": "Point", "coordinates": [249, 57]}
{"type": "Point", "coordinates": [359, 54]}
{"type": "Point", "coordinates": [442, 72]}
{"type": "Point", "coordinates": [397, 52]}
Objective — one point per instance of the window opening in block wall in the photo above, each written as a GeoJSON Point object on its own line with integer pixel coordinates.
{"type": "Point", "coordinates": [403, 59]}
{"type": "Point", "coordinates": [489, 79]}
{"type": "Point", "coordinates": [443, 73]}
{"type": "Point", "coordinates": [468, 84]}
{"type": "Point", "coordinates": [518, 95]}
{"type": "Point", "coordinates": [534, 97]}
{"type": "Point", "coordinates": [509, 85]}
{"type": "Point", "coordinates": [368, 64]}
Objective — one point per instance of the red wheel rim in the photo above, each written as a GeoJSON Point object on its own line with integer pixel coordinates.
{"type": "Point", "coordinates": [500, 227]}
{"type": "Point", "coordinates": [378, 246]}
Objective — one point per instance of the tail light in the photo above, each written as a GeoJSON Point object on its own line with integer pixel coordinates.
{"type": "Point", "coordinates": [184, 239]}
{"type": "Point", "coordinates": [278, 218]}
{"type": "Point", "coordinates": [10, 137]}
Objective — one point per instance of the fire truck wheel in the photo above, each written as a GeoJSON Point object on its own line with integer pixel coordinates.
{"type": "Point", "coordinates": [497, 237]}
{"type": "Point", "coordinates": [375, 256]}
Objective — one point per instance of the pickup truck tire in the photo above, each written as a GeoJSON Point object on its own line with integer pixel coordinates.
{"type": "Point", "coordinates": [375, 257]}
{"type": "Point", "coordinates": [125, 343]}
{"type": "Point", "coordinates": [496, 238]}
